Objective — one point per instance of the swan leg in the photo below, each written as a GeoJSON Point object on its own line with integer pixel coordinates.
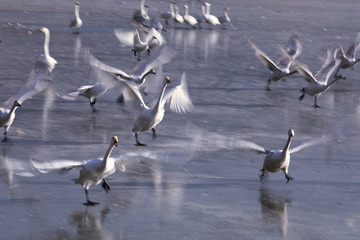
{"type": "Point", "coordinates": [105, 186]}
{"type": "Point", "coordinates": [154, 133]}
{"type": "Point", "coordinates": [263, 175]}
{"type": "Point", "coordinates": [303, 95]}
{"type": "Point", "coordinates": [88, 202]}
{"type": "Point", "coordinates": [137, 141]}
{"type": "Point", "coordinates": [268, 85]}
{"type": "Point", "coordinates": [5, 134]}
{"type": "Point", "coordinates": [315, 102]}
{"type": "Point", "coordinates": [288, 178]}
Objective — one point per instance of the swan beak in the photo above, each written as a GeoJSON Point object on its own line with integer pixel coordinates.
{"type": "Point", "coordinates": [167, 79]}
{"type": "Point", "coordinates": [115, 141]}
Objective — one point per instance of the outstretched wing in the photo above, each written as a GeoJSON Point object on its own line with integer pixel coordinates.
{"type": "Point", "coordinates": [38, 81]}
{"type": "Point", "coordinates": [178, 97]}
{"type": "Point", "coordinates": [293, 49]}
{"type": "Point", "coordinates": [311, 143]}
{"type": "Point", "coordinates": [330, 64]}
{"type": "Point", "coordinates": [263, 57]}
{"type": "Point", "coordinates": [61, 165]}
{"type": "Point", "coordinates": [125, 36]}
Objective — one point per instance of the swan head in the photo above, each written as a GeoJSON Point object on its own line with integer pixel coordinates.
{"type": "Point", "coordinates": [152, 71]}
{"type": "Point", "coordinates": [291, 133]}
{"type": "Point", "coordinates": [115, 141]}
{"type": "Point", "coordinates": [17, 104]}
{"type": "Point", "coordinates": [167, 79]}
{"type": "Point", "coordinates": [44, 30]}
{"type": "Point", "coordinates": [77, 3]}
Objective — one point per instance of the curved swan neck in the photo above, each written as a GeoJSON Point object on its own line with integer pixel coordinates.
{"type": "Point", "coordinates": [287, 145]}
{"type": "Point", "coordinates": [158, 105]}
{"type": "Point", "coordinates": [146, 74]}
{"type": "Point", "coordinates": [107, 154]}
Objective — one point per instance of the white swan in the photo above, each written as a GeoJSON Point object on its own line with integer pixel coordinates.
{"type": "Point", "coordinates": [76, 23]}
{"type": "Point", "coordinates": [132, 39]}
{"type": "Point", "coordinates": [48, 60]}
{"type": "Point", "coordinates": [348, 59]}
{"type": "Point", "coordinates": [148, 118]}
{"type": "Point", "coordinates": [7, 116]}
{"type": "Point", "coordinates": [281, 69]}
{"type": "Point", "coordinates": [277, 160]}
{"type": "Point", "coordinates": [141, 71]}
{"type": "Point", "coordinates": [320, 82]}
{"type": "Point", "coordinates": [210, 19]}
{"type": "Point", "coordinates": [92, 171]}
{"type": "Point", "coordinates": [169, 14]}
{"type": "Point", "coordinates": [178, 18]}
{"type": "Point", "coordinates": [225, 19]}
{"type": "Point", "coordinates": [188, 19]}
{"type": "Point", "coordinates": [141, 15]}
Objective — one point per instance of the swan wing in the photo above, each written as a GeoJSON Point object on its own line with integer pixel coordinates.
{"type": "Point", "coordinates": [311, 143]}
{"type": "Point", "coordinates": [125, 36]}
{"type": "Point", "coordinates": [330, 64]}
{"type": "Point", "coordinates": [249, 146]}
{"type": "Point", "coordinates": [38, 81]}
{"type": "Point", "coordinates": [178, 97]}
{"type": "Point", "coordinates": [123, 159]}
{"type": "Point", "coordinates": [163, 56]}
{"type": "Point", "coordinates": [95, 62]}
{"type": "Point", "coordinates": [132, 96]}
{"type": "Point", "coordinates": [58, 165]}
{"type": "Point", "coordinates": [263, 57]}
{"type": "Point", "coordinates": [293, 49]}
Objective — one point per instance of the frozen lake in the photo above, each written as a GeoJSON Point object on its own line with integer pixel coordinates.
{"type": "Point", "coordinates": [199, 184]}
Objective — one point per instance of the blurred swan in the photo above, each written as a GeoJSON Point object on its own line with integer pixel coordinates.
{"type": "Point", "coordinates": [320, 82]}
{"type": "Point", "coordinates": [348, 59]}
{"type": "Point", "coordinates": [277, 160]}
{"type": "Point", "coordinates": [210, 19]}
{"type": "Point", "coordinates": [281, 69]}
{"type": "Point", "coordinates": [141, 15]}
{"type": "Point", "coordinates": [169, 14]}
{"type": "Point", "coordinates": [91, 91]}
{"type": "Point", "coordinates": [141, 71]}
{"type": "Point", "coordinates": [48, 60]}
{"type": "Point", "coordinates": [76, 23]}
{"type": "Point", "coordinates": [188, 19]}
{"type": "Point", "coordinates": [148, 118]}
{"type": "Point", "coordinates": [178, 18]}
{"type": "Point", "coordinates": [92, 172]}
{"type": "Point", "coordinates": [7, 116]}
{"type": "Point", "coordinates": [225, 19]}
{"type": "Point", "coordinates": [132, 39]}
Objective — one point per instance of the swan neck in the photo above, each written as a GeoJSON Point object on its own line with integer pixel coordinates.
{"type": "Point", "coordinates": [287, 145]}
{"type": "Point", "coordinates": [145, 75]}
{"type": "Point", "coordinates": [158, 103]}
{"type": "Point", "coordinates": [46, 44]}
{"type": "Point", "coordinates": [107, 154]}
{"type": "Point", "coordinates": [77, 11]}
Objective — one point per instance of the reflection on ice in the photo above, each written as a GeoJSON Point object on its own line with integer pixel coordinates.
{"type": "Point", "coordinates": [274, 208]}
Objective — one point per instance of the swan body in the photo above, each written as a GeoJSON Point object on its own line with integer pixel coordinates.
{"type": "Point", "coordinates": [7, 116]}
{"type": "Point", "coordinates": [210, 19]}
{"type": "Point", "coordinates": [147, 118]}
{"type": "Point", "coordinates": [76, 23]}
{"type": "Point", "coordinates": [132, 39]}
{"type": "Point", "coordinates": [141, 71]}
{"type": "Point", "coordinates": [141, 15]}
{"type": "Point", "coordinates": [225, 19]}
{"type": "Point", "coordinates": [281, 69]}
{"type": "Point", "coordinates": [170, 14]}
{"type": "Point", "coordinates": [319, 83]}
{"type": "Point", "coordinates": [188, 19]}
{"type": "Point", "coordinates": [178, 18]}
{"type": "Point", "coordinates": [47, 59]}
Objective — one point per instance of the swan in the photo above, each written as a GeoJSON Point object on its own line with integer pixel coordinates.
{"type": "Point", "coordinates": [210, 19]}
{"type": "Point", "coordinates": [148, 118]}
{"type": "Point", "coordinates": [141, 71]}
{"type": "Point", "coordinates": [276, 160]}
{"type": "Point", "coordinates": [48, 60]}
{"type": "Point", "coordinates": [178, 18]}
{"type": "Point", "coordinates": [281, 69]}
{"type": "Point", "coordinates": [76, 23]}
{"type": "Point", "coordinates": [132, 39]}
{"type": "Point", "coordinates": [320, 82]}
{"type": "Point", "coordinates": [7, 116]}
{"type": "Point", "coordinates": [348, 59]}
{"type": "Point", "coordinates": [141, 15]}
{"type": "Point", "coordinates": [188, 19]}
{"type": "Point", "coordinates": [225, 19]}
{"type": "Point", "coordinates": [169, 14]}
